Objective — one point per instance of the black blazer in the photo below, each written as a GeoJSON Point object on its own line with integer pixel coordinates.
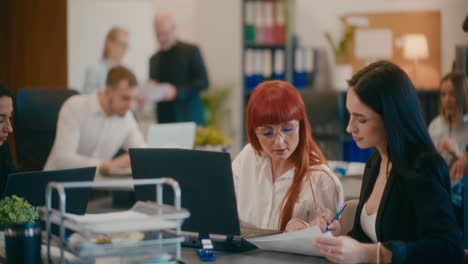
{"type": "Point", "coordinates": [415, 218]}
{"type": "Point", "coordinates": [6, 166]}
{"type": "Point", "coordinates": [182, 66]}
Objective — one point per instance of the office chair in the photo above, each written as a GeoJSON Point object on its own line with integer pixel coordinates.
{"type": "Point", "coordinates": [326, 113]}
{"type": "Point", "coordinates": [36, 114]}
{"type": "Point", "coordinates": [347, 218]}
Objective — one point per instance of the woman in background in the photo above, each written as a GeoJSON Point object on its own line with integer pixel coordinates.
{"type": "Point", "coordinates": [404, 214]}
{"type": "Point", "coordinates": [281, 175]}
{"type": "Point", "coordinates": [6, 111]}
{"type": "Point", "coordinates": [449, 130]}
{"type": "Point", "coordinates": [115, 47]}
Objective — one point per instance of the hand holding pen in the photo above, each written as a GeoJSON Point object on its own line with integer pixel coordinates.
{"type": "Point", "coordinates": [329, 221]}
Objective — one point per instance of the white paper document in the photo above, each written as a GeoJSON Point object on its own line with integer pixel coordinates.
{"type": "Point", "coordinates": [298, 242]}
{"type": "Point", "coordinates": [116, 222]}
{"type": "Point", "coordinates": [154, 92]}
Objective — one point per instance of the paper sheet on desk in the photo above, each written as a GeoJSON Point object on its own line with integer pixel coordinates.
{"type": "Point", "coordinates": [298, 242]}
{"type": "Point", "coordinates": [125, 221]}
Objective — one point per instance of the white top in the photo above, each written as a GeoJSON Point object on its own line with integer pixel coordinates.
{"type": "Point", "coordinates": [95, 78]}
{"type": "Point", "coordinates": [259, 199]}
{"type": "Point", "coordinates": [368, 224]}
{"type": "Point", "coordinates": [86, 136]}
{"type": "Point", "coordinates": [439, 129]}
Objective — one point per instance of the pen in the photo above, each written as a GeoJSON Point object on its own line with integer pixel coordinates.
{"type": "Point", "coordinates": [337, 216]}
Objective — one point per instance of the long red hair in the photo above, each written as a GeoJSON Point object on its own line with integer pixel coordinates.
{"type": "Point", "coordinates": [276, 102]}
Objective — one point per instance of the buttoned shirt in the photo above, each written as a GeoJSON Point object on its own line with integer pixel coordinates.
{"type": "Point", "coordinates": [259, 199]}
{"type": "Point", "coordinates": [87, 136]}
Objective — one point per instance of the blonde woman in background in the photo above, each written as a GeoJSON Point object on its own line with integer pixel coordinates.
{"type": "Point", "coordinates": [115, 48]}
{"type": "Point", "coordinates": [449, 132]}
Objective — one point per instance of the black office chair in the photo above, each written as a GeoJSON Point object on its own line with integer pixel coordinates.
{"type": "Point", "coordinates": [35, 121]}
{"type": "Point", "coordinates": [325, 110]}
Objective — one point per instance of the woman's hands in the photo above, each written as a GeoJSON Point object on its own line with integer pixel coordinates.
{"type": "Point", "coordinates": [324, 221]}
{"type": "Point", "coordinates": [459, 168]}
{"type": "Point", "coordinates": [344, 249]}
{"type": "Point", "coordinates": [295, 225]}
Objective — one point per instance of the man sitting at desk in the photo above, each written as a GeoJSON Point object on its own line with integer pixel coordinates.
{"type": "Point", "coordinates": [92, 128]}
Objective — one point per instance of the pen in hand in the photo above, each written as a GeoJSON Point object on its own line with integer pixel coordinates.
{"type": "Point", "coordinates": [337, 216]}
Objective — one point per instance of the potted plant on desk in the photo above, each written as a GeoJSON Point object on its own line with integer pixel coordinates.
{"type": "Point", "coordinates": [341, 71]}
{"type": "Point", "coordinates": [215, 112]}
{"type": "Point", "coordinates": [22, 234]}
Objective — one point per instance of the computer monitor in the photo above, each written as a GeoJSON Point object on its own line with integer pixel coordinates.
{"type": "Point", "coordinates": [206, 183]}
{"type": "Point", "coordinates": [173, 135]}
{"type": "Point", "coordinates": [32, 187]}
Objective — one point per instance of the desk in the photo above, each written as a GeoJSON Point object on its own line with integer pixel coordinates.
{"type": "Point", "coordinates": [257, 256]}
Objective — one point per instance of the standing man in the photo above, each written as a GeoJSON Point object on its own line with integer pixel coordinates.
{"type": "Point", "coordinates": [181, 65]}
{"type": "Point", "coordinates": [92, 128]}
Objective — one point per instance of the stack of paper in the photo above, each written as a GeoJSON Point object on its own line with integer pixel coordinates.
{"type": "Point", "coordinates": [298, 242]}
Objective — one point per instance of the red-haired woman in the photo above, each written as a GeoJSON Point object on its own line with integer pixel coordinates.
{"type": "Point", "coordinates": [281, 175]}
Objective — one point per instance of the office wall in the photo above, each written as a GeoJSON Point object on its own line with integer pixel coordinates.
{"type": "Point", "coordinates": [316, 17]}
{"type": "Point", "coordinates": [88, 23]}
{"type": "Point", "coordinates": [33, 43]}
{"type": "Point", "coordinates": [216, 26]}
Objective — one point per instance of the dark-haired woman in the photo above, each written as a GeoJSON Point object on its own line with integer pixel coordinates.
{"type": "Point", "coordinates": [281, 176]}
{"type": "Point", "coordinates": [404, 213]}
{"type": "Point", "coordinates": [6, 111]}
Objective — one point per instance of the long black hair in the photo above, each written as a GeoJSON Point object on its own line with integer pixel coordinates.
{"type": "Point", "coordinates": [4, 91]}
{"type": "Point", "coordinates": [387, 89]}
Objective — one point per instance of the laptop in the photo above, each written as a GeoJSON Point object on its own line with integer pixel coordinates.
{"type": "Point", "coordinates": [207, 188]}
{"type": "Point", "coordinates": [172, 135]}
{"type": "Point", "coordinates": [32, 187]}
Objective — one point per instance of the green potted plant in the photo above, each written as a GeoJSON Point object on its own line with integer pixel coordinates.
{"type": "Point", "coordinates": [211, 137]}
{"type": "Point", "coordinates": [341, 71]}
{"type": "Point", "coordinates": [18, 218]}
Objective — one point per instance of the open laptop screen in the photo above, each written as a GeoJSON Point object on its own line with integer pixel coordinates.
{"type": "Point", "coordinates": [206, 183]}
{"type": "Point", "coordinates": [32, 187]}
{"type": "Point", "coordinates": [172, 135]}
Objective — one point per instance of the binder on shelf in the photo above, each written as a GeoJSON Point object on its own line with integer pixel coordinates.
{"type": "Point", "coordinates": [267, 64]}
{"type": "Point", "coordinates": [249, 77]}
{"type": "Point", "coordinates": [259, 22]}
{"type": "Point", "coordinates": [258, 68]}
{"type": "Point", "coordinates": [249, 27]}
{"type": "Point", "coordinates": [278, 68]}
{"type": "Point", "coordinates": [268, 23]}
{"type": "Point", "coordinates": [300, 75]}
{"type": "Point", "coordinates": [279, 26]}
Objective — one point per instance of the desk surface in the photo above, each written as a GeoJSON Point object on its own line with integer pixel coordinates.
{"type": "Point", "coordinates": [189, 255]}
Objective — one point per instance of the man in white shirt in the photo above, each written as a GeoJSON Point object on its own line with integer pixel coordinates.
{"type": "Point", "coordinates": [92, 128]}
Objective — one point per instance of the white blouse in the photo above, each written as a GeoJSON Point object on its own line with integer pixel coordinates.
{"type": "Point", "coordinates": [259, 199]}
{"type": "Point", "coordinates": [368, 224]}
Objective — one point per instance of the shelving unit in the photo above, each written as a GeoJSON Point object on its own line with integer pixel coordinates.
{"type": "Point", "coordinates": [157, 225]}
{"type": "Point", "coordinates": [267, 43]}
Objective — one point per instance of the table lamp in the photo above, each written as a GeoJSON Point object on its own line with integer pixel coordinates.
{"type": "Point", "coordinates": [415, 48]}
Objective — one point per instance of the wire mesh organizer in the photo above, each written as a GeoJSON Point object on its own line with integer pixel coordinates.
{"type": "Point", "coordinates": [152, 230]}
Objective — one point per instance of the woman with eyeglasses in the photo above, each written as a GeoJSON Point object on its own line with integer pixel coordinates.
{"type": "Point", "coordinates": [404, 214]}
{"type": "Point", "coordinates": [281, 176]}
{"type": "Point", "coordinates": [115, 48]}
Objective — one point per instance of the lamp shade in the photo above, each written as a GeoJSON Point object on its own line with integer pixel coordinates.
{"type": "Point", "coordinates": [415, 47]}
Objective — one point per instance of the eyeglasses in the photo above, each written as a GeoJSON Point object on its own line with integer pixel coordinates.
{"type": "Point", "coordinates": [287, 130]}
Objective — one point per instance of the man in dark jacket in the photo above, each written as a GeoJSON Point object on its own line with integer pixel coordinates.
{"type": "Point", "coordinates": [180, 65]}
